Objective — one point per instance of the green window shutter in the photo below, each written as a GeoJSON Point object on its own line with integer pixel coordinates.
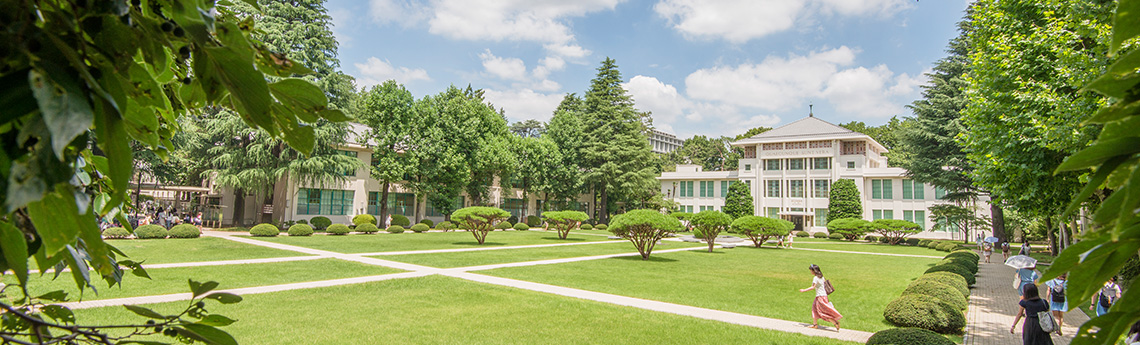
{"type": "Point", "coordinates": [920, 219]}
{"type": "Point", "coordinates": [773, 212]}
{"type": "Point", "coordinates": [888, 192]}
{"type": "Point", "coordinates": [919, 193]}
{"type": "Point", "coordinates": [876, 189]}
{"type": "Point", "coordinates": [723, 189]}
{"type": "Point", "coordinates": [908, 216]}
{"type": "Point", "coordinates": [876, 214]}
{"type": "Point", "coordinates": [888, 214]}
{"type": "Point", "coordinates": [691, 194]}
{"type": "Point", "coordinates": [908, 192]}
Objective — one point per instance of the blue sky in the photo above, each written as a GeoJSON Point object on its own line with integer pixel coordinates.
{"type": "Point", "coordinates": [710, 67]}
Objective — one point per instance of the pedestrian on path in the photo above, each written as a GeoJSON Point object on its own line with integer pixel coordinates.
{"type": "Point", "coordinates": [1133, 335]}
{"type": "Point", "coordinates": [1004, 251]}
{"type": "Point", "coordinates": [1031, 304]}
{"type": "Point", "coordinates": [1055, 294]}
{"type": "Point", "coordinates": [821, 308]}
{"type": "Point", "coordinates": [788, 240]}
{"type": "Point", "coordinates": [1025, 249]}
{"type": "Point", "coordinates": [1107, 296]}
{"type": "Point", "coordinates": [1025, 277]}
{"type": "Point", "coordinates": [987, 250]}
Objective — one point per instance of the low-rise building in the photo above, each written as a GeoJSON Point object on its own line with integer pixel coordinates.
{"type": "Point", "coordinates": [662, 142]}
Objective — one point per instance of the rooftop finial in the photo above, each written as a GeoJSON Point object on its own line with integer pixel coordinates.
{"type": "Point", "coordinates": [810, 106]}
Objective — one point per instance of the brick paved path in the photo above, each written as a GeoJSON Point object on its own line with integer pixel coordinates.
{"type": "Point", "coordinates": [993, 305]}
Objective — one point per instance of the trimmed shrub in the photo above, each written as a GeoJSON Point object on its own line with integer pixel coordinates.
{"type": "Point", "coordinates": [363, 219]}
{"type": "Point", "coordinates": [883, 239]}
{"type": "Point", "coordinates": [533, 221]}
{"type": "Point", "coordinates": [522, 227]}
{"type": "Point", "coordinates": [185, 231]}
{"type": "Point", "coordinates": [923, 242]}
{"type": "Point", "coordinates": [956, 269]}
{"type": "Point", "coordinates": [302, 221]}
{"type": "Point", "coordinates": [427, 222]}
{"type": "Point", "coordinates": [399, 219]}
{"type": "Point", "coordinates": [445, 226]}
{"type": "Point", "coordinates": [942, 292]}
{"type": "Point", "coordinates": [586, 226]}
{"type": "Point", "coordinates": [908, 336]}
{"type": "Point", "coordinates": [300, 230]}
{"type": "Point", "coordinates": [820, 234]}
{"type": "Point", "coordinates": [395, 229]}
{"type": "Point", "coordinates": [967, 263]}
{"type": "Point", "coordinates": [338, 229]}
{"type": "Point", "coordinates": [504, 225]}
{"type": "Point", "coordinates": [923, 312]}
{"type": "Point", "coordinates": [600, 226]}
{"type": "Point", "coordinates": [367, 228]}
{"type": "Point", "coordinates": [912, 241]}
{"type": "Point", "coordinates": [264, 230]}
{"type": "Point", "coordinates": [151, 231]}
{"type": "Point", "coordinates": [418, 228]}
{"type": "Point", "coordinates": [950, 279]}
{"type": "Point", "coordinates": [513, 220]}
{"type": "Point", "coordinates": [116, 232]}
{"type": "Point", "coordinates": [967, 254]}
{"type": "Point", "coordinates": [835, 236]}
{"type": "Point", "coordinates": [802, 234]}
{"type": "Point", "coordinates": [320, 222]}
{"type": "Point", "coordinates": [871, 238]}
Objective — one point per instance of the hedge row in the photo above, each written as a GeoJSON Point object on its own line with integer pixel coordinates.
{"type": "Point", "coordinates": [908, 336]}
{"type": "Point", "coordinates": [934, 302]}
{"type": "Point", "coordinates": [945, 246]}
{"type": "Point", "coordinates": [151, 231]}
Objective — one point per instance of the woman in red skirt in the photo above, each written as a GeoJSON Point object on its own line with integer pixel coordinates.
{"type": "Point", "coordinates": [821, 308]}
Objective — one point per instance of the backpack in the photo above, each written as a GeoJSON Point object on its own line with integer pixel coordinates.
{"type": "Point", "coordinates": [1103, 299]}
{"type": "Point", "coordinates": [1057, 293]}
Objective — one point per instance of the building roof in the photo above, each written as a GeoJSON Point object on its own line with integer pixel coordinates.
{"type": "Point", "coordinates": [808, 128]}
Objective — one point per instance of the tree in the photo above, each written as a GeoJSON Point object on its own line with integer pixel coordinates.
{"type": "Point", "coordinates": [564, 221]}
{"type": "Point", "coordinates": [643, 228]}
{"type": "Point", "coordinates": [708, 224]}
{"type": "Point", "coordinates": [616, 157]}
{"type": "Point", "coordinates": [751, 133]}
{"type": "Point", "coordinates": [80, 83]}
{"type": "Point", "coordinates": [565, 131]}
{"type": "Point", "coordinates": [963, 218]}
{"type": "Point", "coordinates": [479, 220]}
{"type": "Point", "coordinates": [685, 218]}
{"type": "Point", "coordinates": [540, 166]}
{"type": "Point", "coordinates": [843, 201]}
{"type": "Point", "coordinates": [528, 129]}
{"type": "Point", "coordinates": [389, 112]}
{"type": "Point", "coordinates": [895, 230]}
{"type": "Point", "coordinates": [850, 228]}
{"type": "Point", "coordinates": [760, 229]}
{"type": "Point", "coordinates": [738, 203]}
{"type": "Point", "coordinates": [712, 154]}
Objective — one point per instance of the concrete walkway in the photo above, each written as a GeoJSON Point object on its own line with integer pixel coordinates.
{"type": "Point", "coordinates": [993, 306]}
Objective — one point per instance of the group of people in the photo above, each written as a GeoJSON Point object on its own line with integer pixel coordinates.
{"type": "Point", "coordinates": [988, 247]}
{"type": "Point", "coordinates": [786, 241]}
{"type": "Point", "coordinates": [1055, 302]}
{"type": "Point", "coordinates": [168, 217]}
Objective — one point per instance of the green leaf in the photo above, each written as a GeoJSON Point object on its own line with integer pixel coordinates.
{"type": "Point", "coordinates": [115, 144]}
{"type": "Point", "coordinates": [1120, 77]}
{"type": "Point", "coordinates": [249, 91]}
{"type": "Point", "coordinates": [300, 96]}
{"type": "Point", "coordinates": [57, 295]}
{"type": "Point", "coordinates": [224, 297]}
{"type": "Point", "coordinates": [334, 115]}
{"type": "Point", "coordinates": [216, 320]}
{"type": "Point", "coordinates": [144, 312]}
{"type": "Point", "coordinates": [56, 218]}
{"type": "Point", "coordinates": [299, 136]}
{"type": "Point", "coordinates": [207, 334]}
{"type": "Point", "coordinates": [1116, 112]}
{"type": "Point", "coordinates": [79, 269]}
{"type": "Point", "coordinates": [200, 288]}
{"type": "Point", "coordinates": [15, 96]}
{"type": "Point", "coordinates": [1125, 28]}
{"type": "Point", "coordinates": [15, 247]}
{"type": "Point", "coordinates": [276, 64]}
{"type": "Point", "coordinates": [1100, 152]}
{"type": "Point", "coordinates": [63, 106]}
{"type": "Point", "coordinates": [1095, 183]}
{"type": "Point", "coordinates": [59, 313]}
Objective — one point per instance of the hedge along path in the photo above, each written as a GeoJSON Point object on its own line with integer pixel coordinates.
{"type": "Point", "coordinates": [993, 305]}
{"type": "Point", "coordinates": [221, 262]}
{"type": "Point", "coordinates": [869, 253]}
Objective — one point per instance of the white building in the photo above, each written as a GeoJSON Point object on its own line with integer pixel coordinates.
{"type": "Point", "coordinates": [790, 170]}
{"type": "Point", "coordinates": [663, 142]}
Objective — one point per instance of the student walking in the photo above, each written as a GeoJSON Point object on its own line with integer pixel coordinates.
{"type": "Point", "coordinates": [987, 250]}
{"type": "Point", "coordinates": [1004, 251]}
{"type": "Point", "coordinates": [1026, 276]}
{"type": "Point", "coordinates": [1055, 294]}
{"type": "Point", "coordinates": [1030, 305]}
{"type": "Point", "coordinates": [1025, 249]}
{"type": "Point", "coordinates": [1107, 296]}
{"type": "Point", "coordinates": [821, 308]}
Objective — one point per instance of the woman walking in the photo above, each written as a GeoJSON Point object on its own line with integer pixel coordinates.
{"type": "Point", "coordinates": [821, 308]}
{"type": "Point", "coordinates": [1026, 276]}
{"type": "Point", "coordinates": [1107, 296]}
{"type": "Point", "coordinates": [1031, 304]}
{"type": "Point", "coordinates": [987, 250]}
{"type": "Point", "coordinates": [1055, 294]}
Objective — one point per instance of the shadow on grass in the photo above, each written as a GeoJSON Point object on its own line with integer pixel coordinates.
{"type": "Point", "coordinates": [568, 239]}
{"type": "Point", "coordinates": [476, 244]}
{"type": "Point", "coordinates": [638, 258]}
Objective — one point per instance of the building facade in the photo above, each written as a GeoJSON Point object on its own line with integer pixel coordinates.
{"type": "Point", "coordinates": [663, 142]}
{"type": "Point", "coordinates": [790, 170]}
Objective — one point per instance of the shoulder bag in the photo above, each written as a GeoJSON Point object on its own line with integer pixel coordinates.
{"type": "Point", "coordinates": [1048, 324]}
{"type": "Point", "coordinates": [827, 287]}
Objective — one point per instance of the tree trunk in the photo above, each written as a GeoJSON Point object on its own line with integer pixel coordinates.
{"type": "Point", "coordinates": [1052, 237]}
{"type": "Point", "coordinates": [268, 201]}
{"type": "Point", "coordinates": [239, 207]}
{"type": "Point", "coordinates": [1073, 231]}
{"type": "Point", "coordinates": [605, 218]}
{"type": "Point", "coordinates": [384, 205]}
{"type": "Point", "coordinates": [1062, 236]}
{"type": "Point", "coordinates": [997, 215]}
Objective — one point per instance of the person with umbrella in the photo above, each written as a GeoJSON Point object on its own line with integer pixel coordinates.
{"type": "Point", "coordinates": [988, 247]}
{"type": "Point", "coordinates": [1025, 274]}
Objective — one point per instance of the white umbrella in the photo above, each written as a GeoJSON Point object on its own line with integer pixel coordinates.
{"type": "Point", "coordinates": [992, 239]}
{"type": "Point", "coordinates": [1020, 261]}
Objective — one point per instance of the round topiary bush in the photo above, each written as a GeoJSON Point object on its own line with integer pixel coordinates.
{"type": "Point", "coordinates": [819, 234]}
{"type": "Point", "coordinates": [923, 242]}
{"type": "Point", "coordinates": [912, 241]}
{"type": "Point", "coordinates": [968, 264]}
{"type": "Point", "coordinates": [600, 226]}
{"type": "Point", "coordinates": [300, 230]}
{"type": "Point", "coordinates": [533, 221]}
{"type": "Point", "coordinates": [942, 292]}
{"type": "Point", "coordinates": [835, 236]}
{"type": "Point", "coordinates": [445, 226]}
{"type": "Point", "coordinates": [395, 229]}
{"type": "Point", "coordinates": [367, 228]}
{"type": "Point", "coordinates": [338, 229]}
{"type": "Point", "coordinates": [956, 269]}
{"type": "Point", "coordinates": [522, 227]}
{"type": "Point", "coordinates": [513, 220]}
{"type": "Point", "coordinates": [116, 233]}
{"type": "Point", "coordinates": [264, 230]}
{"type": "Point", "coordinates": [967, 254]}
{"type": "Point", "coordinates": [802, 234]}
{"type": "Point", "coordinates": [363, 219]}
{"type": "Point", "coordinates": [399, 219]}
{"type": "Point", "coordinates": [320, 222]}
{"type": "Point", "coordinates": [420, 228]}
{"type": "Point", "coordinates": [185, 231]}
{"type": "Point", "coordinates": [504, 225]}
{"type": "Point", "coordinates": [427, 222]}
{"type": "Point", "coordinates": [950, 279]}
{"type": "Point", "coordinates": [908, 336]}
{"type": "Point", "coordinates": [924, 312]}
{"type": "Point", "coordinates": [586, 227]}
{"type": "Point", "coordinates": [945, 246]}
{"type": "Point", "coordinates": [151, 231]}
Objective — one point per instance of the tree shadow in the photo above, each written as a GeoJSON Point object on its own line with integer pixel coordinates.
{"type": "Point", "coordinates": [568, 239]}
{"type": "Point", "coordinates": [638, 258]}
{"type": "Point", "coordinates": [473, 243]}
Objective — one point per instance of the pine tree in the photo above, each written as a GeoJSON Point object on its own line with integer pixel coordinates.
{"type": "Point", "coordinates": [844, 200]}
{"type": "Point", "coordinates": [738, 203]}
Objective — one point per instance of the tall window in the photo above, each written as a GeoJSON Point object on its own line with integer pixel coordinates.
{"type": "Point", "coordinates": [939, 192]}
{"type": "Point", "coordinates": [689, 209]}
{"type": "Point", "coordinates": [796, 164]}
{"type": "Point", "coordinates": [796, 188]}
{"type": "Point", "coordinates": [773, 190]}
{"type": "Point", "coordinates": [324, 201]}
{"type": "Point", "coordinates": [918, 217]}
{"type": "Point", "coordinates": [774, 212]}
{"type": "Point", "coordinates": [398, 203]}
{"type": "Point", "coordinates": [821, 163]}
{"type": "Point", "coordinates": [881, 189]}
{"type": "Point", "coordinates": [771, 164]}
{"type": "Point", "coordinates": [821, 217]}
{"type": "Point", "coordinates": [912, 190]}
{"type": "Point", "coordinates": [821, 188]}
{"type": "Point", "coordinates": [516, 207]}
{"type": "Point", "coordinates": [882, 214]}
{"type": "Point", "coordinates": [724, 188]}
{"type": "Point", "coordinates": [686, 189]}
{"type": "Point", "coordinates": [707, 189]}
{"type": "Point", "coordinates": [353, 154]}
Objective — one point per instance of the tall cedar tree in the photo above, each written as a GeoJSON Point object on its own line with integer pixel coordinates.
{"type": "Point", "coordinates": [738, 203]}
{"type": "Point", "coordinates": [565, 131]}
{"type": "Point", "coordinates": [844, 200]}
{"type": "Point", "coordinates": [616, 156]}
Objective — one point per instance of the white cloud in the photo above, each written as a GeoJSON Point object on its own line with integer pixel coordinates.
{"type": "Point", "coordinates": [672, 110]}
{"type": "Point", "coordinates": [524, 103]}
{"type": "Point", "coordinates": [567, 50]}
{"type": "Point", "coordinates": [403, 12]}
{"type": "Point", "coordinates": [376, 71]}
{"type": "Point", "coordinates": [547, 85]}
{"type": "Point", "coordinates": [547, 65]}
{"type": "Point", "coordinates": [742, 20]}
{"type": "Point", "coordinates": [505, 68]}
{"type": "Point", "coordinates": [341, 20]}
{"type": "Point", "coordinates": [650, 94]}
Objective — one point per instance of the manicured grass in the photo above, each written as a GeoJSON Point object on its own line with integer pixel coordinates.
{"type": "Point", "coordinates": [360, 243]}
{"type": "Point", "coordinates": [487, 257]}
{"type": "Point", "coordinates": [762, 282]}
{"type": "Point", "coordinates": [870, 248]}
{"type": "Point", "coordinates": [161, 251]}
{"type": "Point", "coordinates": [442, 310]}
{"type": "Point", "coordinates": [173, 280]}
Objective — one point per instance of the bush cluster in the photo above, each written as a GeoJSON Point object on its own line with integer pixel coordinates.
{"type": "Point", "coordinates": [522, 227]}
{"type": "Point", "coordinates": [835, 236]}
{"type": "Point", "coordinates": [320, 222]}
{"type": "Point", "coordinates": [912, 241]}
{"type": "Point", "coordinates": [513, 220]}
{"type": "Point", "coordinates": [363, 219]}
{"type": "Point", "coordinates": [504, 225]}
{"type": "Point", "coordinates": [395, 229]}
{"type": "Point", "coordinates": [302, 221]}
{"type": "Point", "coordinates": [367, 228]}
{"type": "Point", "coordinates": [908, 336]}
{"type": "Point", "coordinates": [185, 231]}
{"type": "Point", "coordinates": [418, 228]}
{"type": "Point", "coordinates": [399, 219]}
{"type": "Point", "coordinates": [300, 230]}
{"type": "Point", "coordinates": [820, 234]}
{"type": "Point", "coordinates": [427, 222]}
{"type": "Point", "coordinates": [802, 234]}
{"type": "Point", "coordinates": [338, 229]}
{"type": "Point", "coordinates": [939, 291]}
{"type": "Point", "coordinates": [600, 226]}
{"type": "Point", "coordinates": [956, 269]}
{"type": "Point", "coordinates": [533, 221]}
{"type": "Point", "coordinates": [936, 300]}
{"type": "Point", "coordinates": [445, 226]}
{"type": "Point", "coordinates": [116, 232]}
{"type": "Point", "coordinates": [950, 279]}
{"type": "Point", "coordinates": [151, 231]}
{"type": "Point", "coordinates": [923, 242]}
{"type": "Point", "coordinates": [924, 312]}
{"type": "Point", "coordinates": [264, 230]}
{"type": "Point", "coordinates": [586, 226]}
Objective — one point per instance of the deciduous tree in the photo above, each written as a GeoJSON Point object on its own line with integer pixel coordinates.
{"type": "Point", "coordinates": [643, 228]}
{"type": "Point", "coordinates": [479, 220]}
{"type": "Point", "coordinates": [760, 229]}
{"type": "Point", "coordinates": [895, 230]}
{"type": "Point", "coordinates": [851, 228]}
{"type": "Point", "coordinates": [708, 224]}
{"type": "Point", "coordinates": [564, 221]}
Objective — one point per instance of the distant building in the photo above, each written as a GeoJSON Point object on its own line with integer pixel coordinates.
{"type": "Point", "coordinates": [663, 142]}
{"type": "Point", "coordinates": [790, 170]}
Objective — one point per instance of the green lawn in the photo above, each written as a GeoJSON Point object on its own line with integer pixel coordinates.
{"type": "Point", "coordinates": [173, 280]}
{"type": "Point", "coordinates": [360, 243]}
{"type": "Point", "coordinates": [161, 251]}
{"type": "Point", "coordinates": [762, 282]}
{"type": "Point", "coordinates": [869, 248]}
{"type": "Point", "coordinates": [442, 310]}
{"type": "Point", "coordinates": [487, 257]}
